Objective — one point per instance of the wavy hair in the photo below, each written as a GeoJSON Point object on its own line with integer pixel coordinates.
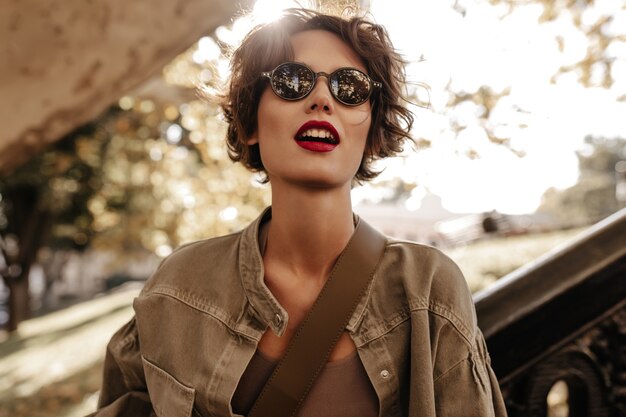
{"type": "Point", "coordinates": [268, 45]}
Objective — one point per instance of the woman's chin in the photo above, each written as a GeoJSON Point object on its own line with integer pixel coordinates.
{"type": "Point", "coordinates": [314, 181]}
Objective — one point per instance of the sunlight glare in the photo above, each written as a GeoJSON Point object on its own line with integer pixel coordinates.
{"type": "Point", "coordinates": [207, 50]}
{"type": "Point", "coordinates": [228, 214]}
{"type": "Point", "coordinates": [266, 11]}
{"type": "Point", "coordinates": [543, 113]}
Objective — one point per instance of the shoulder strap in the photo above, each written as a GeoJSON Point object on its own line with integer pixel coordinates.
{"type": "Point", "coordinates": [311, 345]}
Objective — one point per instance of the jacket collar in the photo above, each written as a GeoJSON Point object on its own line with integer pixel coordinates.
{"type": "Point", "coordinates": [264, 305]}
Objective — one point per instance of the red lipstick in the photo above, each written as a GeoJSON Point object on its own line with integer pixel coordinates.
{"type": "Point", "coordinates": [317, 136]}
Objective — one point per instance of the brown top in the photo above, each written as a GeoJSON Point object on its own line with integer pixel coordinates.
{"type": "Point", "coordinates": [342, 389]}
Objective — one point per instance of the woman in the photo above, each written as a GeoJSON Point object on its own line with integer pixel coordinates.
{"type": "Point", "coordinates": [313, 100]}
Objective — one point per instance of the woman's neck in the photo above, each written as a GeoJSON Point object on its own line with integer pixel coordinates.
{"type": "Point", "coordinates": [308, 231]}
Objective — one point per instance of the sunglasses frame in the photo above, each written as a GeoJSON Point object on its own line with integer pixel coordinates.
{"type": "Point", "coordinates": [270, 74]}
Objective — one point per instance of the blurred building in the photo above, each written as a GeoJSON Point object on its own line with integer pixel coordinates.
{"type": "Point", "coordinates": [433, 224]}
{"type": "Point", "coordinates": [394, 219]}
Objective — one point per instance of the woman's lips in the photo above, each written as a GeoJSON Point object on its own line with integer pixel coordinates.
{"type": "Point", "coordinates": [316, 146]}
{"type": "Point", "coordinates": [317, 136]}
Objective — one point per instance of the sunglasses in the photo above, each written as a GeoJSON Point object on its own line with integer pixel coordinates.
{"type": "Point", "coordinates": [294, 81]}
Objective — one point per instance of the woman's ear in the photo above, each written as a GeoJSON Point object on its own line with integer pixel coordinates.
{"type": "Point", "coordinates": [253, 139]}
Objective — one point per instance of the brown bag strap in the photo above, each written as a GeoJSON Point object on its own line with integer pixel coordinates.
{"type": "Point", "coordinates": [311, 345]}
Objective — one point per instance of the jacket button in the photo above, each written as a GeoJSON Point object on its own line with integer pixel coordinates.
{"type": "Point", "coordinates": [384, 373]}
{"type": "Point", "coordinates": [278, 319]}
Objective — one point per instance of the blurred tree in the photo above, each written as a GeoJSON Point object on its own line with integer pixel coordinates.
{"type": "Point", "coordinates": [166, 180]}
{"type": "Point", "coordinates": [146, 177]}
{"type": "Point", "coordinates": [594, 69]}
{"type": "Point", "coordinates": [593, 197]}
{"type": "Point", "coordinates": [44, 203]}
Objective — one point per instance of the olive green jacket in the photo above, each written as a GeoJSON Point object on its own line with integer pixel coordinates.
{"type": "Point", "coordinates": [201, 315]}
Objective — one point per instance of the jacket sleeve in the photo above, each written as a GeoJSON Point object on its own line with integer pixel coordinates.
{"type": "Point", "coordinates": [470, 388]}
{"type": "Point", "coordinates": [124, 392]}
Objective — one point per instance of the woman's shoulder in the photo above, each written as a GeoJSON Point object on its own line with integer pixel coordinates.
{"type": "Point", "coordinates": [429, 278]}
{"type": "Point", "coordinates": [197, 262]}
{"type": "Point", "coordinates": [200, 250]}
{"type": "Point", "coordinates": [417, 260]}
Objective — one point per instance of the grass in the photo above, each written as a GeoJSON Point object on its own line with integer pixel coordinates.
{"type": "Point", "coordinates": [52, 366]}
{"type": "Point", "coordinates": [485, 261]}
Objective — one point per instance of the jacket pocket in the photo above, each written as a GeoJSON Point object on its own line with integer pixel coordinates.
{"type": "Point", "coordinates": [169, 397]}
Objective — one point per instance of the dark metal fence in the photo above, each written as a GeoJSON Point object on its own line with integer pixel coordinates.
{"type": "Point", "coordinates": [560, 324]}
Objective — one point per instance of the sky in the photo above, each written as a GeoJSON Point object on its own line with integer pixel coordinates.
{"type": "Point", "coordinates": [545, 115]}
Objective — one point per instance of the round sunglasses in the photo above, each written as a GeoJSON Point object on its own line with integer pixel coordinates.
{"type": "Point", "coordinates": [294, 81]}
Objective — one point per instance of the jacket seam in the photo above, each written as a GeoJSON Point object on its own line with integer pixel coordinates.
{"type": "Point", "coordinates": [169, 292]}
{"type": "Point", "coordinates": [125, 342]}
{"type": "Point", "coordinates": [452, 368]}
{"type": "Point", "coordinates": [454, 321]}
{"type": "Point", "coordinates": [397, 320]}
{"type": "Point", "coordinates": [404, 315]}
{"type": "Point", "coordinates": [478, 371]}
{"type": "Point", "coordinates": [431, 305]}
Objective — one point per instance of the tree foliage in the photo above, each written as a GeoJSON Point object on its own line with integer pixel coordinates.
{"type": "Point", "coordinates": [593, 197]}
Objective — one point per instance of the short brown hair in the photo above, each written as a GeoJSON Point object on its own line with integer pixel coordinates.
{"type": "Point", "coordinates": [268, 45]}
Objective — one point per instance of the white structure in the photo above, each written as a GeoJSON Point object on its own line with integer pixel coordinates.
{"type": "Point", "coordinates": [420, 225]}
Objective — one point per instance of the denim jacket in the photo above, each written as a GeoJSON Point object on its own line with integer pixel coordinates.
{"type": "Point", "coordinates": [200, 317]}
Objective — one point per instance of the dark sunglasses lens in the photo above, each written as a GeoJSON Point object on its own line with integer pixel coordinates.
{"type": "Point", "coordinates": [350, 86]}
{"type": "Point", "coordinates": [292, 81]}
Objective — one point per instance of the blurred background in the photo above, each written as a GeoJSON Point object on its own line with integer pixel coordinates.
{"type": "Point", "coordinates": [112, 154]}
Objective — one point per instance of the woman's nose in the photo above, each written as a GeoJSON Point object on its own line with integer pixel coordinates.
{"type": "Point", "coordinates": [320, 99]}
